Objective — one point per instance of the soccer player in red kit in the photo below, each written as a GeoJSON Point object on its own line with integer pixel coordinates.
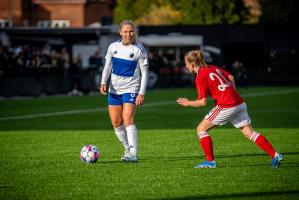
{"type": "Point", "coordinates": [229, 107]}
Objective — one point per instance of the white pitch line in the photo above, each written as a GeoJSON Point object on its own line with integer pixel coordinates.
{"type": "Point", "coordinates": [54, 114]}
{"type": "Point", "coordinates": [71, 112]}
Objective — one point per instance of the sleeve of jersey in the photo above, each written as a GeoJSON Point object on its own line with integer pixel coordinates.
{"type": "Point", "coordinates": [202, 88]}
{"type": "Point", "coordinates": [107, 68]}
{"type": "Point", "coordinates": [143, 63]}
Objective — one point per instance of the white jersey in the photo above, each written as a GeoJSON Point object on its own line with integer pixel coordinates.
{"type": "Point", "coordinates": [128, 66]}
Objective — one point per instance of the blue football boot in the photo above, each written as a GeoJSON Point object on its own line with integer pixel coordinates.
{"type": "Point", "coordinates": [276, 160]}
{"type": "Point", "coordinates": [206, 164]}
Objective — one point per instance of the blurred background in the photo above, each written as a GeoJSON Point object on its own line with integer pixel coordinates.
{"type": "Point", "coordinates": [50, 47]}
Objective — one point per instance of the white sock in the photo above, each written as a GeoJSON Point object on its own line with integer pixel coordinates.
{"type": "Point", "coordinates": [133, 139]}
{"type": "Point", "coordinates": [121, 134]}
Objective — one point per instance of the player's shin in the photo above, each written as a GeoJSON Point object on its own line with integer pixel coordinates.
{"type": "Point", "coordinates": [133, 139]}
{"type": "Point", "coordinates": [121, 134]}
{"type": "Point", "coordinates": [263, 143]}
{"type": "Point", "coordinates": [206, 144]}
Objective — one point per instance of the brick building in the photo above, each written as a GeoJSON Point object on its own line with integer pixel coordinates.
{"type": "Point", "coordinates": [58, 13]}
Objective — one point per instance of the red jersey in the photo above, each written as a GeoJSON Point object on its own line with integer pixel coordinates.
{"type": "Point", "coordinates": [214, 81]}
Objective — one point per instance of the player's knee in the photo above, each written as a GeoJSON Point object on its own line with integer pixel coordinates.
{"type": "Point", "coordinates": [116, 122]}
{"type": "Point", "coordinates": [199, 129]}
{"type": "Point", "coordinates": [128, 121]}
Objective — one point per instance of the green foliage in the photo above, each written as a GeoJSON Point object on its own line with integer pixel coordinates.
{"type": "Point", "coordinates": [203, 12]}
{"type": "Point", "coordinates": [206, 12]}
{"type": "Point", "coordinates": [161, 15]}
{"type": "Point", "coordinates": [132, 9]}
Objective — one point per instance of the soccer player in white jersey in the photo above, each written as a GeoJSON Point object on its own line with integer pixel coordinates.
{"type": "Point", "coordinates": [230, 107]}
{"type": "Point", "coordinates": [127, 64]}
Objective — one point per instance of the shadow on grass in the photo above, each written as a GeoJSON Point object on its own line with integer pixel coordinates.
{"type": "Point", "coordinates": [285, 163]}
{"type": "Point", "coordinates": [174, 158]}
{"type": "Point", "coordinates": [169, 158]}
{"type": "Point", "coordinates": [290, 193]}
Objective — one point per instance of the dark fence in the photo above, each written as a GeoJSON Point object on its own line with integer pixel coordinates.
{"type": "Point", "coordinates": [48, 82]}
{"type": "Point", "coordinates": [269, 55]}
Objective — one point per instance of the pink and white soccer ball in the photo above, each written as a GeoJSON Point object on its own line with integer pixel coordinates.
{"type": "Point", "coordinates": [90, 153]}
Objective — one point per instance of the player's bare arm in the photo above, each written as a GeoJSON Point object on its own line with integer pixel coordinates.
{"type": "Point", "coordinates": [192, 103]}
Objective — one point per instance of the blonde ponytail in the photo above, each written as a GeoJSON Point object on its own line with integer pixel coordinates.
{"type": "Point", "coordinates": [197, 57]}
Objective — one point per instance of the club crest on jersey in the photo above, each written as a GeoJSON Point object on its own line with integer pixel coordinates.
{"type": "Point", "coordinates": [131, 55]}
{"type": "Point", "coordinates": [115, 52]}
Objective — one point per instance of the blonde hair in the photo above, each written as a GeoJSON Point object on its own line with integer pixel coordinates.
{"type": "Point", "coordinates": [197, 57]}
{"type": "Point", "coordinates": [129, 22]}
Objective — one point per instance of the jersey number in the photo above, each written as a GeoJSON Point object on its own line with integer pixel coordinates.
{"type": "Point", "coordinates": [224, 83]}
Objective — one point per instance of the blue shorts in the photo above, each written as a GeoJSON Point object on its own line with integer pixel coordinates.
{"type": "Point", "coordinates": [120, 99]}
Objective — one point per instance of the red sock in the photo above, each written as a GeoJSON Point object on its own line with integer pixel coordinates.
{"type": "Point", "coordinates": [206, 145]}
{"type": "Point", "coordinates": [262, 142]}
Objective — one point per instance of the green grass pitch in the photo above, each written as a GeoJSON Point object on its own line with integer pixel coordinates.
{"type": "Point", "coordinates": [41, 139]}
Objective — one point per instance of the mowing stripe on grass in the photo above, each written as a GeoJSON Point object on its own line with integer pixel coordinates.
{"type": "Point", "coordinates": [260, 94]}
{"type": "Point", "coordinates": [71, 112]}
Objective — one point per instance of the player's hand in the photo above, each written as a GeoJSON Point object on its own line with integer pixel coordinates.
{"type": "Point", "coordinates": [183, 101]}
{"type": "Point", "coordinates": [139, 100]}
{"type": "Point", "coordinates": [103, 89]}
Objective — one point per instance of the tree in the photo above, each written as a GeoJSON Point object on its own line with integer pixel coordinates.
{"type": "Point", "coordinates": [207, 12]}
{"type": "Point", "coordinates": [132, 9]}
{"type": "Point", "coordinates": [252, 11]}
{"type": "Point", "coordinates": [159, 12]}
{"type": "Point", "coordinates": [164, 15]}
